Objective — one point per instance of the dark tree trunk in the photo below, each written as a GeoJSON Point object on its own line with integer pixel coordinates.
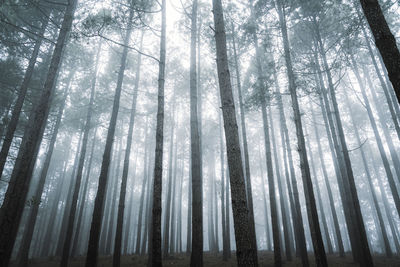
{"type": "Point", "coordinates": [30, 224]}
{"type": "Point", "coordinates": [98, 210]}
{"type": "Point", "coordinates": [245, 251]}
{"type": "Point", "coordinates": [155, 255]}
{"type": "Point", "coordinates": [78, 179]}
{"type": "Point", "coordinates": [14, 200]}
{"type": "Point", "coordinates": [384, 41]}
{"type": "Point", "coordinates": [16, 110]}
{"type": "Point", "coordinates": [196, 257]}
{"type": "Point", "coordinates": [121, 205]}
{"type": "Point", "coordinates": [319, 251]}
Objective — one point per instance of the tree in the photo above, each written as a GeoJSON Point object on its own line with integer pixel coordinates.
{"type": "Point", "coordinates": [14, 201]}
{"type": "Point", "coordinates": [384, 41]}
{"type": "Point", "coordinates": [245, 252]}
{"type": "Point", "coordinates": [93, 246]}
{"type": "Point", "coordinates": [155, 256]}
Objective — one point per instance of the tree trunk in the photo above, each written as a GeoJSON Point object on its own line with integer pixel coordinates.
{"type": "Point", "coordinates": [121, 205]}
{"type": "Point", "coordinates": [327, 184]}
{"type": "Point", "coordinates": [384, 41]}
{"type": "Point", "coordinates": [16, 111]}
{"type": "Point", "coordinates": [223, 210]}
{"type": "Point", "coordinates": [196, 257]}
{"type": "Point", "coordinates": [381, 224]}
{"type": "Point", "coordinates": [245, 251]}
{"type": "Point", "coordinates": [155, 242]}
{"type": "Point", "coordinates": [98, 210]}
{"type": "Point", "coordinates": [288, 235]}
{"type": "Point", "coordinates": [14, 200]}
{"type": "Point", "coordinates": [69, 232]}
{"type": "Point", "coordinates": [319, 251]}
{"type": "Point", "coordinates": [30, 224]}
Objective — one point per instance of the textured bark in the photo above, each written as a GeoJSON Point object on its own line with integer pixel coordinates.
{"type": "Point", "coordinates": [244, 137]}
{"type": "Point", "coordinates": [78, 179]}
{"type": "Point", "coordinates": [98, 210]}
{"type": "Point", "coordinates": [196, 257]}
{"type": "Point", "coordinates": [384, 41]}
{"type": "Point", "coordinates": [155, 241]}
{"type": "Point", "coordinates": [245, 252]}
{"type": "Point", "coordinates": [319, 251]}
{"type": "Point", "coordinates": [17, 108]}
{"type": "Point", "coordinates": [14, 200]}
{"type": "Point", "coordinates": [30, 224]}
{"type": "Point", "coordinates": [380, 225]}
{"type": "Point", "coordinates": [121, 205]}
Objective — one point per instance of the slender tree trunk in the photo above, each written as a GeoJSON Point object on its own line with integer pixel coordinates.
{"type": "Point", "coordinates": [16, 111]}
{"type": "Point", "coordinates": [30, 225]}
{"type": "Point", "coordinates": [244, 137]}
{"type": "Point", "coordinates": [384, 41]}
{"type": "Point", "coordinates": [155, 242]}
{"type": "Point", "coordinates": [223, 210]}
{"type": "Point", "coordinates": [296, 211]}
{"type": "Point", "coordinates": [14, 200]}
{"type": "Point", "coordinates": [78, 179]}
{"type": "Point", "coordinates": [173, 202]}
{"type": "Point", "coordinates": [121, 205]}
{"type": "Point", "coordinates": [227, 214]}
{"type": "Point", "coordinates": [171, 166]}
{"type": "Point", "coordinates": [379, 143]}
{"type": "Point", "coordinates": [319, 251]}
{"type": "Point", "coordinates": [381, 224]}
{"type": "Point", "coordinates": [282, 194]}
{"type": "Point", "coordinates": [245, 251]}
{"type": "Point", "coordinates": [321, 207]}
{"type": "Point", "coordinates": [328, 186]}
{"type": "Point", "coordinates": [98, 210]}
{"type": "Point", "coordinates": [84, 199]}
{"type": "Point", "coordinates": [196, 184]}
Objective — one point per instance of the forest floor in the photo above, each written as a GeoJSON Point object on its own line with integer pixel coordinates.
{"type": "Point", "coordinates": [210, 259]}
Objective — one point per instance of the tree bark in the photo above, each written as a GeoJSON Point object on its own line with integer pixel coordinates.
{"type": "Point", "coordinates": [245, 251]}
{"type": "Point", "coordinates": [384, 41]}
{"type": "Point", "coordinates": [155, 242]}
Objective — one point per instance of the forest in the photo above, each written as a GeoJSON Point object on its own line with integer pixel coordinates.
{"type": "Point", "coordinates": [199, 133]}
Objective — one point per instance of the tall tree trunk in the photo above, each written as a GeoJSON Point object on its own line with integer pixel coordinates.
{"type": "Point", "coordinates": [379, 142]}
{"type": "Point", "coordinates": [381, 224]}
{"type": "Point", "coordinates": [244, 137]}
{"type": "Point", "coordinates": [30, 225]}
{"type": "Point", "coordinates": [321, 207]}
{"type": "Point", "coordinates": [296, 209]}
{"type": "Point", "coordinates": [84, 199]}
{"type": "Point", "coordinates": [121, 205]}
{"type": "Point", "coordinates": [171, 166]}
{"type": "Point", "coordinates": [196, 257]}
{"type": "Point", "coordinates": [319, 251]}
{"type": "Point", "coordinates": [16, 110]}
{"type": "Point", "coordinates": [155, 242]}
{"type": "Point", "coordinates": [14, 200]}
{"type": "Point", "coordinates": [98, 210]}
{"type": "Point", "coordinates": [245, 251]}
{"type": "Point", "coordinates": [337, 233]}
{"type": "Point", "coordinates": [384, 41]}
{"type": "Point", "coordinates": [282, 193]}
{"type": "Point", "coordinates": [78, 179]}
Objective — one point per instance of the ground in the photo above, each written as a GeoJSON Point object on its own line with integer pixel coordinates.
{"type": "Point", "coordinates": [212, 260]}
